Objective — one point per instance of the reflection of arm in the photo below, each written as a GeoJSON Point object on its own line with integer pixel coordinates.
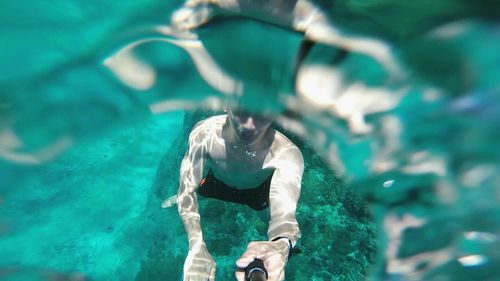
{"type": "Point", "coordinates": [289, 14]}
{"type": "Point", "coordinates": [284, 195]}
{"type": "Point", "coordinates": [193, 168]}
{"type": "Point", "coordinates": [277, 12]}
{"type": "Point", "coordinates": [307, 17]}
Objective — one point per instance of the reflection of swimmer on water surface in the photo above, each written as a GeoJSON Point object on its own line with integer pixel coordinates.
{"type": "Point", "coordinates": [300, 15]}
{"type": "Point", "coordinates": [240, 158]}
{"type": "Point", "coordinates": [322, 85]}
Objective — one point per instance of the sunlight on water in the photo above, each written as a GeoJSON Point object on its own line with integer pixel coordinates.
{"type": "Point", "coordinates": [405, 109]}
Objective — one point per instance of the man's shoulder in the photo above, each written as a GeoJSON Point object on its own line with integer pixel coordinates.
{"type": "Point", "coordinates": [286, 155]}
{"type": "Point", "coordinates": [284, 147]}
{"type": "Point", "coordinates": [206, 127]}
{"type": "Point", "coordinates": [212, 121]}
{"type": "Point", "coordinates": [283, 141]}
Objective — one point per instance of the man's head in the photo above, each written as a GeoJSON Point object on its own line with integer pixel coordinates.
{"type": "Point", "coordinates": [248, 127]}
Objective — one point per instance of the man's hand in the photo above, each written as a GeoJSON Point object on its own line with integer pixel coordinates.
{"type": "Point", "coordinates": [199, 265]}
{"type": "Point", "coordinates": [274, 255]}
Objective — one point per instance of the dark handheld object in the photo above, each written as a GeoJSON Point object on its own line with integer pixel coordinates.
{"type": "Point", "coordinates": [256, 271]}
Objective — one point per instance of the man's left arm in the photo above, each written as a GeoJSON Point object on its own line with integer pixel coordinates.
{"type": "Point", "coordinates": [283, 232]}
{"type": "Point", "coordinates": [284, 195]}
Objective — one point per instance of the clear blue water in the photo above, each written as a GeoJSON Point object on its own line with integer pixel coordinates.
{"type": "Point", "coordinates": [87, 155]}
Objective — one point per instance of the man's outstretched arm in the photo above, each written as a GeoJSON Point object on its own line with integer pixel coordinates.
{"type": "Point", "coordinates": [284, 195]}
{"type": "Point", "coordinates": [199, 265]}
{"type": "Point", "coordinates": [283, 230]}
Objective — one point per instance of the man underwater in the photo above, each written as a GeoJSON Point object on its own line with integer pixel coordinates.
{"type": "Point", "coordinates": [239, 158]}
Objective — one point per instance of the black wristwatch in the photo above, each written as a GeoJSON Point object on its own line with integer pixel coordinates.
{"type": "Point", "coordinates": [289, 243]}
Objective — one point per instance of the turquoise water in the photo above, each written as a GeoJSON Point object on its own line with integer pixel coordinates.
{"type": "Point", "coordinates": [410, 192]}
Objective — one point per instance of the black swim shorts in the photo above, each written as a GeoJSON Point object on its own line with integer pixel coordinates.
{"type": "Point", "coordinates": [256, 198]}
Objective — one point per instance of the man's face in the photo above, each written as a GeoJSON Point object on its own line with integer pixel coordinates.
{"type": "Point", "coordinates": [247, 126]}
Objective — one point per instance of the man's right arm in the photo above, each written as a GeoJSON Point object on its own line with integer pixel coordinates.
{"type": "Point", "coordinates": [199, 264]}
{"type": "Point", "coordinates": [193, 168]}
